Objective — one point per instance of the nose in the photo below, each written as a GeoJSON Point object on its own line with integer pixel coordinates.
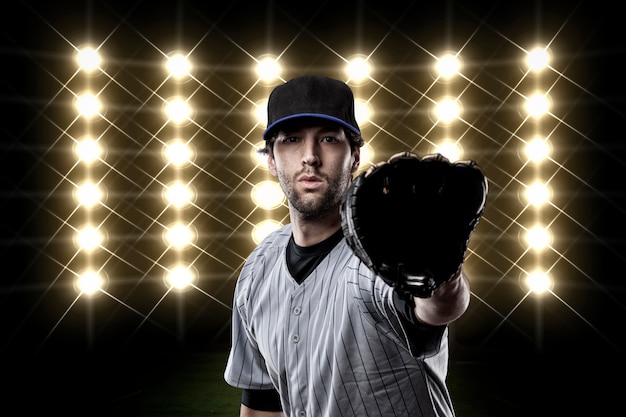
{"type": "Point", "coordinates": [310, 155]}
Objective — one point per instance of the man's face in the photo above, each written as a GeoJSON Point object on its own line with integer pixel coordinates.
{"type": "Point", "coordinates": [314, 166]}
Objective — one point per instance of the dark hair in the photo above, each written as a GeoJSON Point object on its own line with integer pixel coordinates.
{"type": "Point", "coordinates": [356, 141]}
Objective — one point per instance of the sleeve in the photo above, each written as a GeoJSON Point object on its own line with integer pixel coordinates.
{"type": "Point", "coordinates": [262, 400]}
{"type": "Point", "coordinates": [425, 340]}
{"type": "Point", "coordinates": [393, 316]}
{"type": "Point", "coordinates": [245, 367]}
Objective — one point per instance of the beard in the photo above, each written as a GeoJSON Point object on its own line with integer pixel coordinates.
{"type": "Point", "coordinates": [312, 206]}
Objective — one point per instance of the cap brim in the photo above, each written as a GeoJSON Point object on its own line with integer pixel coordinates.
{"type": "Point", "coordinates": [271, 128]}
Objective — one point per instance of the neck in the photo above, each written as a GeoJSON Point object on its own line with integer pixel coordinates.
{"type": "Point", "coordinates": [307, 232]}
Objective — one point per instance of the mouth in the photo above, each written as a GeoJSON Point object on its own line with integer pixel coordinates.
{"type": "Point", "coordinates": [310, 181]}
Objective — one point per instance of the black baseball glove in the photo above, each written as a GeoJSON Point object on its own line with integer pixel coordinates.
{"type": "Point", "coordinates": [409, 219]}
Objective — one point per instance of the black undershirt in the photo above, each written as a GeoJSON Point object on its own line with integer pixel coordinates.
{"type": "Point", "coordinates": [302, 260]}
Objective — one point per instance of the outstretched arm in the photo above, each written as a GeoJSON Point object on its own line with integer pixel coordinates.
{"type": "Point", "coordinates": [447, 303]}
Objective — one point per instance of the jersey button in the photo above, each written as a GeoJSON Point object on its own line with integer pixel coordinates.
{"type": "Point", "coordinates": [295, 338]}
{"type": "Point", "coordinates": [302, 413]}
{"type": "Point", "coordinates": [297, 311]}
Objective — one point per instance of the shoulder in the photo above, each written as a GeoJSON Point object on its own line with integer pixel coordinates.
{"type": "Point", "coordinates": [268, 252]}
{"type": "Point", "coordinates": [272, 244]}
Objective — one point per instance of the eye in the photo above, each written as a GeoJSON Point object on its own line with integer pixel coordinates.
{"type": "Point", "coordinates": [290, 139]}
{"type": "Point", "coordinates": [330, 139]}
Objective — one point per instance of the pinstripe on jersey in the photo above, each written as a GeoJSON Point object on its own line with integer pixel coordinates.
{"type": "Point", "coordinates": [333, 345]}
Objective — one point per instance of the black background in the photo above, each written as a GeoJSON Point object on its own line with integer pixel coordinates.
{"type": "Point", "coordinates": [583, 343]}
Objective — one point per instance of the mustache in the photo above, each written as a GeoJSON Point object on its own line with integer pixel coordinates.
{"type": "Point", "coordinates": [309, 171]}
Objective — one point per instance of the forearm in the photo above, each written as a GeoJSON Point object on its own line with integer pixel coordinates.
{"type": "Point", "coordinates": [446, 304]}
{"type": "Point", "coordinates": [248, 412]}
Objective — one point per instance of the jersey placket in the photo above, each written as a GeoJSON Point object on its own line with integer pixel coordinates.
{"type": "Point", "coordinates": [297, 357]}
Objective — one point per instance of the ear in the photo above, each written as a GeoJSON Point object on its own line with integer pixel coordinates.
{"type": "Point", "coordinates": [271, 165]}
{"type": "Point", "coordinates": [356, 155]}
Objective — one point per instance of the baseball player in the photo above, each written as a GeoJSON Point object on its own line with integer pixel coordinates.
{"type": "Point", "coordinates": [345, 311]}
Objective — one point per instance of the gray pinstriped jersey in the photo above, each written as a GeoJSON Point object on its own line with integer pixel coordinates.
{"type": "Point", "coordinates": [332, 346]}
